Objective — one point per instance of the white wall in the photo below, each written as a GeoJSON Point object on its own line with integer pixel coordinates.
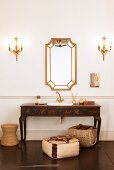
{"type": "Point", "coordinates": [38, 21]}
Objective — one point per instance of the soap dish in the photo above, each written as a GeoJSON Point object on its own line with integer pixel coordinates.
{"type": "Point", "coordinates": [41, 104]}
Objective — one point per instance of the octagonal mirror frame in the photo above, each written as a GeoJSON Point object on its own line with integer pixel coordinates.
{"type": "Point", "coordinates": [61, 64]}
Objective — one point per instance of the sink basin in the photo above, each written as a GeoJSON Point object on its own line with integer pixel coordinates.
{"type": "Point", "coordinates": [59, 104]}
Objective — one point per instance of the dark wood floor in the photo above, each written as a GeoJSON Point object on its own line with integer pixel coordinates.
{"type": "Point", "coordinates": [29, 156]}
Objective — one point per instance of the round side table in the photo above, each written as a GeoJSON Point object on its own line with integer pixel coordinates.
{"type": "Point", "coordinates": [9, 137]}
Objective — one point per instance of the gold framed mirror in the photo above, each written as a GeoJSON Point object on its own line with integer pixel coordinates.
{"type": "Point", "coordinates": [61, 63]}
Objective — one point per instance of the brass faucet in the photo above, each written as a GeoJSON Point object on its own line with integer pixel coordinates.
{"type": "Point", "coordinates": [60, 100]}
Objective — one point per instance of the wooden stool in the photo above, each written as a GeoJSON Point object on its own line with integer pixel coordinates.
{"type": "Point", "coordinates": [9, 137]}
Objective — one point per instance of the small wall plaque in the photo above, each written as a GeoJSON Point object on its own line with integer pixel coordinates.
{"type": "Point", "coordinates": [94, 80]}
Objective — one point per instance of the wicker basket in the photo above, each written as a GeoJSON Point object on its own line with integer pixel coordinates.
{"type": "Point", "coordinates": [87, 135]}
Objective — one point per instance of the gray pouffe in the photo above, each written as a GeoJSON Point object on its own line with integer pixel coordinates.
{"type": "Point", "coordinates": [60, 146]}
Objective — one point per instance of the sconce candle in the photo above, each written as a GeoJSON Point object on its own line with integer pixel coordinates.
{"type": "Point", "coordinates": [16, 47]}
{"type": "Point", "coordinates": [104, 46]}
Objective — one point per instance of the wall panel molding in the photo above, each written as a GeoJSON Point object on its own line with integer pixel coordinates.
{"type": "Point", "coordinates": [54, 97]}
{"type": "Point", "coordinates": [40, 134]}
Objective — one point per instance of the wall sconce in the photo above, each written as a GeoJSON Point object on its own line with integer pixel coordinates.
{"type": "Point", "coordinates": [104, 46]}
{"type": "Point", "coordinates": [15, 47]}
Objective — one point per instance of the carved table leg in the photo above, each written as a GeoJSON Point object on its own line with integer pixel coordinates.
{"type": "Point", "coordinates": [22, 121]}
{"type": "Point", "coordinates": [95, 121]}
{"type": "Point", "coordinates": [21, 127]}
{"type": "Point", "coordinates": [99, 125]}
{"type": "Point", "coordinates": [24, 129]}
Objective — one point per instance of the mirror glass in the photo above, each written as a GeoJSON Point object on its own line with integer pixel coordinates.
{"type": "Point", "coordinates": [60, 56]}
